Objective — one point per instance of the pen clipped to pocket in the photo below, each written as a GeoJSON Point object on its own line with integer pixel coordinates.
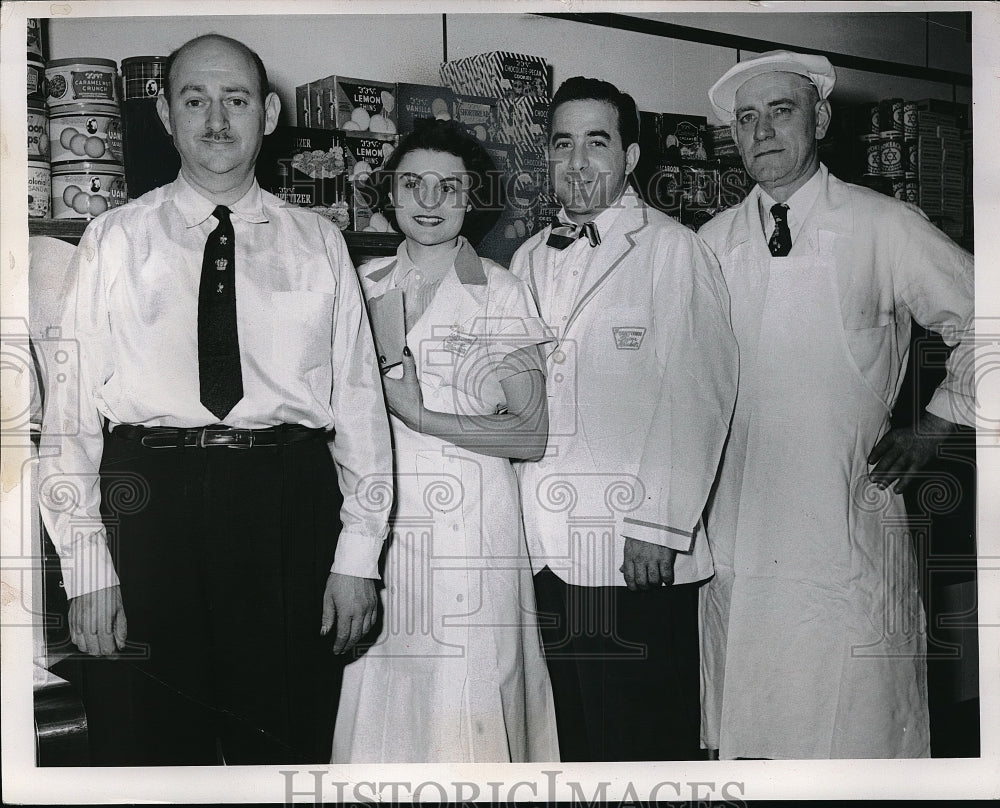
{"type": "Point", "coordinates": [388, 327]}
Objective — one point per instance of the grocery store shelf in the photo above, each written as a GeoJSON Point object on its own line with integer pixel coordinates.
{"type": "Point", "coordinates": [360, 244]}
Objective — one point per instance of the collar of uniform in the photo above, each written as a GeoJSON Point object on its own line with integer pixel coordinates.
{"type": "Point", "coordinates": [196, 208]}
{"type": "Point", "coordinates": [468, 265]}
{"type": "Point", "coordinates": [799, 204]}
{"type": "Point", "coordinates": [603, 220]}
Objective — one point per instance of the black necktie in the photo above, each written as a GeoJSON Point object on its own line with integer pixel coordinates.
{"type": "Point", "coordinates": [564, 235]}
{"type": "Point", "coordinates": [218, 340]}
{"type": "Point", "coordinates": [780, 243]}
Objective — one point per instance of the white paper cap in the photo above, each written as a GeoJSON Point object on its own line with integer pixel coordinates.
{"type": "Point", "coordinates": [815, 68]}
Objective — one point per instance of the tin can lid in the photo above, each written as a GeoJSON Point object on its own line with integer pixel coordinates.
{"type": "Point", "coordinates": [88, 167]}
{"type": "Point", "coordinates": [75, 108]}
{"type": "Point", "coordinates": [868, 138]}
{"type": "Point", "coordinates": [892, 134]}
{"type": "Point", "coordinates": [83, 60]}
{"type": "Point", "coordinates": [37, 104]}
{"type": "Point", "coordinates": [134, 59]}
{"type": "Point", "coordinates": [911, 175]}
{"type": "Point", "coordinates": [38, 164]}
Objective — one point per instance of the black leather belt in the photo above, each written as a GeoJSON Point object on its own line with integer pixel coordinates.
{"type": "Point", "coordinates": [167, 437]}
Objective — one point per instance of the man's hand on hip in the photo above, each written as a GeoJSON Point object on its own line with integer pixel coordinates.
{"type": "Point", "coordinates": [647, 565]}
{"type": "Point", "coordinates": [903, 451]}
{"type": "Point", "coordinates": [350, 605]}
{"type": "Point", "coordinates": [97, 624]}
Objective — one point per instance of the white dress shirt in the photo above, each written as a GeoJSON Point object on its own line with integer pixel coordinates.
{"type": "Point", "coordinates": [305, 348]}
{"type": "Point", "coordinates": [799, 205]}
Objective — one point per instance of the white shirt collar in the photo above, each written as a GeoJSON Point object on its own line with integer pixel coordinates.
{"type": "Point", "coordinates": [799, 204]}
{"type": "Point", "coordinates": [602, 220]}
{"type": "Point", "coordinates": [405, 266]}
{"type": "Point", "coordinates": [195, 208]}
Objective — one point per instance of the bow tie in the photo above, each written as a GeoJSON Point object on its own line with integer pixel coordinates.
{"type": "Point", "coordinates": [564, 235]}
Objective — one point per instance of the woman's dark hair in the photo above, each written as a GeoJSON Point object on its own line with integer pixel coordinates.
{"type": "Point", "coordinates": [486, 184]}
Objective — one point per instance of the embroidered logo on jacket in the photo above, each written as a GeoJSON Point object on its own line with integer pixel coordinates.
{"type": "Point", "coordinates": [628, 337]}
{"type": "Point", "coordinates": [458, 343]}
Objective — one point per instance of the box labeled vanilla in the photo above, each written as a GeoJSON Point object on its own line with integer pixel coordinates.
{"type": "Point", "coordinates": [416, 102]}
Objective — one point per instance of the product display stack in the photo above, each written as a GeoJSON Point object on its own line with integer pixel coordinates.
{"type": "Point", "coordinates": [942, 164]}
{"type": "Point", "coordinates": [502, 99]}
{"type": "Point", "coordinates": [345, 130]}
{"type": "Point", "coordinates": [150, 157]}
{"type": "Point", "coordinates": [686, 169]}
{"type": "Point", "coordinates": [85, 137]}
{"type": "Point", "coordinates": [39, 171]}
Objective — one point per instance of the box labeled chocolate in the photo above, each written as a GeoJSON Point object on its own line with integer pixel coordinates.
{"type": "Point", "coordinates": [683, 138]}
{"type": "Point", "coordinates": [547, 212]}
{"type": "Point", "coordinates": [304, 167]}
{"type": "Point", "coordinates": [523, 120]}
{"type": "Point", "coordinates": [531, 178]}
{"type": "Point", "coordinates": [498, 74]}
{"type": "Point", "coordinates": [416, 102]}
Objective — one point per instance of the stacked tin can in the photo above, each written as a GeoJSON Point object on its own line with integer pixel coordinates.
{"type": "Point", "coordinates": [85, 137]}
{"type": "Point", "coordinates": [889, 138]}
{"type": "Point", "coordinates": [39, 188]}
{"type": "Point", "coordinates": [150, 157]}
{"type": "Point", "coordinates": [911, 131]}
{"type": "Point", "coordinates": [891, 144]}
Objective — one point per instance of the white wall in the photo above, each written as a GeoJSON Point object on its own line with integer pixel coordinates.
{"type": "Point", "coordinates": [664, 75]}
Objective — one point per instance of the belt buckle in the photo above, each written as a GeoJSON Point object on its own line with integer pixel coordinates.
{"type": "Point", "coordinates": [241, 439]}
{"type": "Point", "coordinates": [230, 438]}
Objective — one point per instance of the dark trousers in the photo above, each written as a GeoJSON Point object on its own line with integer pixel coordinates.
{"type": "Point", "coordinates": [223, 556]}
{"type": "Point", "coordinates": [624, 669]}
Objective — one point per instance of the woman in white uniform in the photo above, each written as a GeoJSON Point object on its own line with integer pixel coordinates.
{"type": "Point", "coordinates": [456, 672]}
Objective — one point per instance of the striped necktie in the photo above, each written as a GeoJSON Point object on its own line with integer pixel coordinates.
{"type": "Point", "coordinates": [564, 235]}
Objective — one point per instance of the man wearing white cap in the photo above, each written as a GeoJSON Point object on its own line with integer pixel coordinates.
{"type": "Point", "coordinates": [812, 628]}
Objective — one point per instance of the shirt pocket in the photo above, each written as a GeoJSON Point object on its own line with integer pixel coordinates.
{"type": "Point", "coordinates": [302, 330]}
{"type": "Point", "coordinates": [870, 333]}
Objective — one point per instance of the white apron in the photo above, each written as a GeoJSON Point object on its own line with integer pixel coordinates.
{"type": "Point", "coordinates": [812, 629]}
{"type": "Point", "coordinates": [457, 672]}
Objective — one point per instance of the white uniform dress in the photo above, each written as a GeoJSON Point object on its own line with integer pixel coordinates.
{"type": "Point", "coordinates": [456, 672]}
{"type": "Point", "coordinates": [812, 628]}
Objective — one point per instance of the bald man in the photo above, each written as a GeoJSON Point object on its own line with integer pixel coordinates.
{"type": "Point", "coordinates": [812, 629]}
{"type": "Point", "coordinates": [227, 383]}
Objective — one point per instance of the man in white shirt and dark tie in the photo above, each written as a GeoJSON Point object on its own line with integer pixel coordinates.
{"type": "Point", "coordinates": [640, 389]}
{"type": "Point", "coordinates": [226, 393]}
{"type": "Point", "coordinates": [812, 629]}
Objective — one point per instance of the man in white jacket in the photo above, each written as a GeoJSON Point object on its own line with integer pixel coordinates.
{"type": "Point", "coordinates": [640, 392]}
{"type": "Point", "coordinates": [812, 629]}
